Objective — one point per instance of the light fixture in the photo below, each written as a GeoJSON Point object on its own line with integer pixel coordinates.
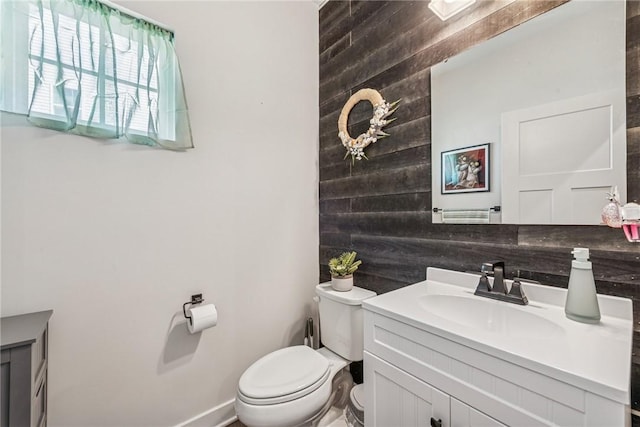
{"type": "Point", "coordinates": [445, 9]}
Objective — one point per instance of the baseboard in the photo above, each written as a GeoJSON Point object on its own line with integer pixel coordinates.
{"type": "Point", "coordinates": [219, 416]}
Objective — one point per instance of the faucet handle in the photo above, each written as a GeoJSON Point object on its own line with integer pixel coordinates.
{"type": "Point", "coordinates": [516, 291]}
{"type": "Point", "coordinates": [483, 285]}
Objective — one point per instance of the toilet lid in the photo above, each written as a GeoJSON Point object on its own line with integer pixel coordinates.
{"type": "Point", "coordinates": [284, 372]}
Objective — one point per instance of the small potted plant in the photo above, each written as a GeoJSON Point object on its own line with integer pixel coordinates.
{"type": "Point", "coordinates": [342, 269]}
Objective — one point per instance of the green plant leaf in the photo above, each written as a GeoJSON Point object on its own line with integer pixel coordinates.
{"type": "Point", "coordinates": [344, 265]}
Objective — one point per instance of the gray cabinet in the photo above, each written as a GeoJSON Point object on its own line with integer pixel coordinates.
{"type": "Point", "coordinates": [23, 372]}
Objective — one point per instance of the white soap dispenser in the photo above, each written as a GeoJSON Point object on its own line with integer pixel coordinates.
{"type": "Point", "coordinates": [582, 300]}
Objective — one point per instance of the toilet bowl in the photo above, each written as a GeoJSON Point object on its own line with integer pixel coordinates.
{"type": "Point", "coordinates": [294, 386]}
{"type": "Point", "coordinates": [288, 387]}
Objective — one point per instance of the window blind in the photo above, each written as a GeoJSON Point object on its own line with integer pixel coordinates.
{"type": "Point", "coordinates": [83, 67]}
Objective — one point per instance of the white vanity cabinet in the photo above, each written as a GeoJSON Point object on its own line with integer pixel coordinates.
{"type": "Point", "coordinates": [465, 416]}
{"type": "Point", "coordinates": [421, 370]}
{"type": "Point", "coordinates": [400, 399]}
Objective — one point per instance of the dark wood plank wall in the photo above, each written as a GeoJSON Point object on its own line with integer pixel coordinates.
{"type": "Point", "coordinates": [382, 207]}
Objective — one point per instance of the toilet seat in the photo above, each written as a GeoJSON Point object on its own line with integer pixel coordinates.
{"type": "Point", "coordinates": [284, 375]}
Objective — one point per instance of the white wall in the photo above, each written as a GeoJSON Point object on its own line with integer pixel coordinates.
{"type": "Point", "coordinates": [114, 238]}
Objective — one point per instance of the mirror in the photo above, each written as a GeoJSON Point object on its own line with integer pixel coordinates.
{"type": "Point", "coordinates": [548, 97]}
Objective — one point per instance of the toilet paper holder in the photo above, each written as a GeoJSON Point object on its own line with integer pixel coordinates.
{"type": "Point", "coordinates": [195, 299]}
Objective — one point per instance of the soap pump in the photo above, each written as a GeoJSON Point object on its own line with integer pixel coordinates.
{"type": "Point", "coordinates": [582, 300]}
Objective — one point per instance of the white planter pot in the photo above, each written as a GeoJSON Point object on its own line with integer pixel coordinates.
{"type": "Point", "coordinates": [342, 284]}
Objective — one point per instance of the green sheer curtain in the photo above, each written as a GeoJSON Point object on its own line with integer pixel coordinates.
{"type": "Point", "coordinates": [83, 67]}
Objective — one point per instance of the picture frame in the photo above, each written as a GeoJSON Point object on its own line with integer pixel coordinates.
{"type": "Point", "coordinates": [465, 170]}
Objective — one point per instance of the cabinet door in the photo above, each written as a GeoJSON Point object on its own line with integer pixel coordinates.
{"type": "Point", "coordinates": [16, 387]}
{"type": "Point", "coordinates": [4, 388]}
{"type": "Point", "coordinates": [396, 398]}
{"type": "Point", "coordinates": [463, 415]}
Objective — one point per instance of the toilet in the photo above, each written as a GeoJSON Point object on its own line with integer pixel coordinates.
{"type": "Point", "coordinates": [294, 386]}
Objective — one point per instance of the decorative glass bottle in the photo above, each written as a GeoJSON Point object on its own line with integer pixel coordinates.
{"type": "Point", "coordinates": [611, 214]}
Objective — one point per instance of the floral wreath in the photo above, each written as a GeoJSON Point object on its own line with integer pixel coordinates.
{"type": "Point", "coordinates": [381, 110]}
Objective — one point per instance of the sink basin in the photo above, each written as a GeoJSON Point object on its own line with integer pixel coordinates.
{"type": "Point", "coordinates": [490, 316]}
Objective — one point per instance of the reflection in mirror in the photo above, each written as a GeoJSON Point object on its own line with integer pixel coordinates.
{"type": "Point", "coordinates": [548, 97]}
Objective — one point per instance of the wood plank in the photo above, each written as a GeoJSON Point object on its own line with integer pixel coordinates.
{"type": "Point", "coordinates": [469, 255]}
{"type": "Point", "coordinates": [633, 70]}
{"type": "Point", "coordinates": [370, 12]}
{"type": "Point", "coordinates": [403, 88]}
{"type": "Point", "coordinates": [333, 153]}
{"type": "Point", "coordinates": [379, 285]}
{"type": "Point", "coordinates": [332, 51]}
{"type": "Point", "coordinates": [633, 111]}
{"type": "Point", "coordinates": [340, 31]}
{"type": "Point", "coordinates": [401, 71]}
{"type": "Point", "coordinates": [633, 8]}
{"type": "Point", "coordinates": [334, 104]}
{"type": "Point", "coordinates": [414, 156]}
{"type": "Point", "coordinates": [337, 170]}
{"type": "Point", "coordinates": [408, 134]}
{"type": "Point", "coordinates": [633, 30]}
{"type": "Point", "coordinates": [334, 206]}
{"type": "Point", "coordinates": [417, 225]}
{"type": "Point", "coordinates": [396, 271]}
{"type": "Point", "coordinates": [331, 147]}
{"type": "Point", "coordinates": [413, 202]}
{"type": "Point", "coordinates": [396, 16]}
{"type": "Point", "coordinates": [335, 240]}
{"type": "Point", "coordinates": [570, 236]}
{"type": "Point", "coordinates": [345, 58]}
{"type": "Point", "coordinates": [331, 14]}
{"type": "Point", "coordinates": [328, 125]}
{"type": "Point", "coordinates": [397, 181]}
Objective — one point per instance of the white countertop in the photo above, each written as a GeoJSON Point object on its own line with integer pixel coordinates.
{"type": "Point", "coordinates": [594, 357]}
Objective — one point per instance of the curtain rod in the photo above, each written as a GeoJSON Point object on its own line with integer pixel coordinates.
{"type": "Point", "coordinates": [130, 13]}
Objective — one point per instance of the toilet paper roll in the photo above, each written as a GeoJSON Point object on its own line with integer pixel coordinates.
{"type": "Point", "coordinates": [203, 316]}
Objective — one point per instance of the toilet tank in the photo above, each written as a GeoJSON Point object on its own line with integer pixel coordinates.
{"type": "Point", "coordinates": [341, 320]}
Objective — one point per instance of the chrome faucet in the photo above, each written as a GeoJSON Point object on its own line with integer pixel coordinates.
{"type": "Point", "coordinates": [499, 290]}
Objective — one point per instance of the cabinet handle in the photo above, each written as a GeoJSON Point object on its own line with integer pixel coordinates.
{"type": "Point", "coordinates": [436, 423]}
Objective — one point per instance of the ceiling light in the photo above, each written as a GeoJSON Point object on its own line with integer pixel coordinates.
{"type": "Point", "coordinates": [445, 9]}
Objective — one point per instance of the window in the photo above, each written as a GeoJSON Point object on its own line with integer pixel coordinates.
{"type": "Point", "coordinates": [83, 67]}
